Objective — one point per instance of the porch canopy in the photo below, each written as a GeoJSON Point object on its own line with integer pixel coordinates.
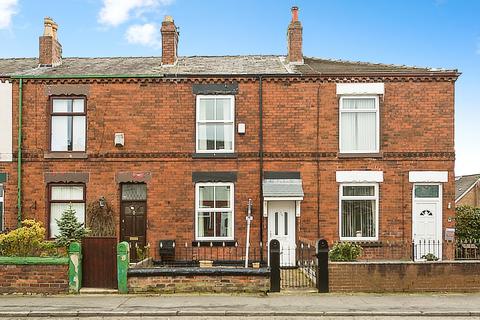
{"type": "Point", "coordinates": [282, 186]}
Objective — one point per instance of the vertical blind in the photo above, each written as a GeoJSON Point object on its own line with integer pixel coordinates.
{"type": "Point", "coordinates": [358, 124]}
{"type": "Point", "coordinates": [358, 210]}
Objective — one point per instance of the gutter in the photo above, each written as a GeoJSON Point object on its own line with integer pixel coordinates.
{"type": "Point", "coordinates": [19, 155]}
{"type": "Point", "coordinates": [254, 75]}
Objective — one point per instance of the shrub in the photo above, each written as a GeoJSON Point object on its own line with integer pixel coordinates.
{"type": "Point", "coordinates": [345, 251]}
{"type": "Point", "coordinates": [430, 257]}
{"type": "Point", "coordinates": [467, 223]}
{"type": "Point", "coordinates": [70, 229]}
{"type": "Point", "coordinates": [27, 241]}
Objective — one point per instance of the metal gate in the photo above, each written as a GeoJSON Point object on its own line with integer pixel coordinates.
{"type": "Point", "coordinates": [298, 267]}
{"type": "Point", "coordinates": [99, 262]}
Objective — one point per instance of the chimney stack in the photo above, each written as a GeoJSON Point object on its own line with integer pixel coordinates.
{"type": "Point", "coordinates": [294, 39]}
{"type": "Point", "coordinates": [50, 50]}
{"type": "Point", "coordinates": [169, 41]}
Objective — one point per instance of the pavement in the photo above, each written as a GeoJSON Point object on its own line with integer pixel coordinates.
{"type": "Point", "coordinates": [274, 306]}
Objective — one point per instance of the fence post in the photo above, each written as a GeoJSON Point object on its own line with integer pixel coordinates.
{"type": "Point", "coordinates": [123, 259]}
{"type": "Point", "coordinates": [274, 266]}
{"type": "Point", "coordinates": [74, 267]}
{"type": "Point", "coordinates": [322, 262]}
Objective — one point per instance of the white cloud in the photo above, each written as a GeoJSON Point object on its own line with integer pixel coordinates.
{"type": "Point", "coordinates": [147, 34]}
{"type": "Point", "coordinates": [8, 8]}
{"type": "Point", "coordinates": [115, 12]}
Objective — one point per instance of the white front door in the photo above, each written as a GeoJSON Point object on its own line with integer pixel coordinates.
{"type": "Point", "coordinates": [281, 226]}
{"type": "Point", "coordinates": [427, 220]}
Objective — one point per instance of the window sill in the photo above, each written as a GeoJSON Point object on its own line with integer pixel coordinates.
{"type": "Point", "coordinates": [365, 243]}
{"type": "Point", "coordinates": [65, 155]}
{"type": "Point", "coordinates": [214, 243]}
{"type": "Point", "coordinates": [361, 155]}
{"type": "Point", "coordinates": [215, 155]}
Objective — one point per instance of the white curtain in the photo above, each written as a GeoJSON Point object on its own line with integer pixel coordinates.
{"type": "Point", "coordinates": [69, 193]}
{"type": "Point", "coordinates": [358, 129]}
{"type": "Point", "coordinates": [59, 133]}
{"type": "Point", "coordinates": [56, 211]}
{"type": "Point", "coordinates": [79, 133]}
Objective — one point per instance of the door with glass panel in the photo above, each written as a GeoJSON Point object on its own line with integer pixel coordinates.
{"type": "Point", "coordinates": [134, 218]}
{"type": "Point", "coordinates": [427, 220]}
{"type": "Point", "coordinates": [281, 226]}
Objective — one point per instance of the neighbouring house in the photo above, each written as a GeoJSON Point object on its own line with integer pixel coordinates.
{"type": "Point", "coordinates": [467, 190]}
{"type": "Point", "coordinates": [341, 150]}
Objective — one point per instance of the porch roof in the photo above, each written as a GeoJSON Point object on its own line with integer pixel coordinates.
{"type": "Point", "coordinates": [282, 188]}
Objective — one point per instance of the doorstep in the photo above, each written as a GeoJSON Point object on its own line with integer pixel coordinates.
{"type": "Point", "coordinates": [98, 291]}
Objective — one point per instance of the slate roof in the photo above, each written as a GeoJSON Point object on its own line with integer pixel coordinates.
{"type": "Point", "coordinates": [282, 188]}
{"type": "Point", "coordinates": [200, 65]}
{"type": "Point", "coordinates": [463, 183]}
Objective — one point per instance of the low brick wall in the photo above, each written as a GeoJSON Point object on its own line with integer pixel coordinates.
{"type": "Point", "coordinates": [448, 276]}
{"type": "Point", "coordinates": [182, 280]}
{"type": "Point", "coordinates": [34, 275]}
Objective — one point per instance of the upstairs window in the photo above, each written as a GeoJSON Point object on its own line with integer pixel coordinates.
{"type": "Point", "coordinates": [215, 124]}
{"type": "Point", "coordinates": [68, 125]}
{"type": "Point", "coordinates": [359, 124]}
{"type": "Point", "coordinates": [214, 211]}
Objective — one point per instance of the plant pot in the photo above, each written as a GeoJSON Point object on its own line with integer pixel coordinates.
{"type": "Point", "coordinates": [206, 263]}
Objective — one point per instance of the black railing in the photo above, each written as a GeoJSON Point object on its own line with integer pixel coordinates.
{"type": "Point", "coordinates": [467, 249]}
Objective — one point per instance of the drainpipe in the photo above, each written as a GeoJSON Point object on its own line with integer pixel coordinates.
{"type": "Point", "coordinates": [260, 154]}
{"type": "Point", "coordinates": [19, 155]}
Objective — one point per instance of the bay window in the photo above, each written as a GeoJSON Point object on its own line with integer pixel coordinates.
{"type": "Point", "coordinates": [68, 124]}
{"type": "Point", "coordinates": [359, 124]}
{"type": "Point", "coordinates": [359, 211]}
{"type": "Point", "coordinates": [214, 211]}
{"type": "Point", "coordinates": [215, 124]}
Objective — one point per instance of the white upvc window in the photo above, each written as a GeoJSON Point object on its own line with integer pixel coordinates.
{"type": "Point", "coordinates": [215, 123]}
{"type": "Point", "coordinates": [358, 211]}
{"type": "Point", "coordinates": [2, 208]}
{"type": "Point", "coordinates": [359, 124]}
{"type": "Point", "coordinates": [214, 203]}
{"type": "Point", "coordinates": [68, 124]}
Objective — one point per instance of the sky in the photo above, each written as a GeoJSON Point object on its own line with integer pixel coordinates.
{"type": "Point", "coordinates": [432, 33]}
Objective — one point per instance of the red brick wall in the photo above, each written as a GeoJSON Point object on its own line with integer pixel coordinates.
{"type": "Point", "coordinates": [45, 279]}
{"type": "Point", "coordinates": [214, 283]}
{"type": "Point", "coordinates": [158, 119]}
{"type": "Point", "coordinates": [461, 276]}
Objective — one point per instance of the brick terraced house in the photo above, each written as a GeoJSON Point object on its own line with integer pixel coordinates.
{"type": "Point", "coordinates": [346, 151]}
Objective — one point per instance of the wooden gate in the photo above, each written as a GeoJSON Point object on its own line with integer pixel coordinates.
{"type": "Point", "coordinates": [99, 262]}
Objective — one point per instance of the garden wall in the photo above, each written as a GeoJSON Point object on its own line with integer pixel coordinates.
{"type": "Point", "coordinates": [451, 276]}
{"type": "Point", "coordinates": [175, 280]}
{"type": "Point", "coordinates": [34, 275]}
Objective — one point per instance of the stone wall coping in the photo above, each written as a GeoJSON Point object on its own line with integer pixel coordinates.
{"type": "Point", "coordinates": [33, 260]}
{"type": "Point", "coordinates": [195, 271]}
{"type": "Point", "coordinates": [405, 262]}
